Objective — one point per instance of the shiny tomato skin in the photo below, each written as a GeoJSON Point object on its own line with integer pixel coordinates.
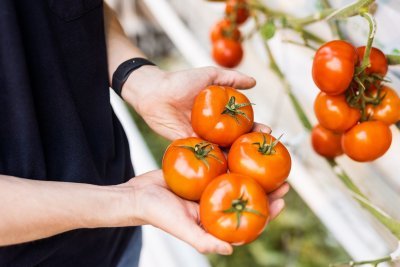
{"type": "Point", "coordinates": [224, 29]}
{"type": "Point", "coordinates": [186, 175]}
{"type": "Point", "coordinates": [334, 113]}
{"type": "Point", "coordinates": [209, 123]}
{"type": "Point", "coordinates": [388, 111]}
{"type": "Point", "coordinates": [325, 142]}
{"type": "Point", "coordinates": [227, 53]}
{"type": "Point", "coordinates": [269, 170]}
{"type": "Point", "coordinates": [218, 196]}
{"type": "Point", "coordinates": [367, 141]}
{"type": "Point", "coordinates": [333, 66]}
{"type": "Point", "coordinates": [237, 9]}
{"type": "Point", "coordinates": [377, 59]}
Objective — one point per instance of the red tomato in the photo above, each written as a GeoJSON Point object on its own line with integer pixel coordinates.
{"type": "Point", "coordinates": [333, 66]}
{"type": "Point", "coordinates": [367, 141]}
{"type": "Point", "coordinates": [221, 114]}
{"type": "Point", "coordinates": [190, 164]}
{"type": "Point", "coordinates": [377, 59]}
{"type": "Point", "coordinates": [325, 142]}
{"type": "Point", "coordinates": [227, 53]}
{"type": "Point", "coordinates": [388, 110]}
{"type": "Point", "coordinates": [224, 29]}
{"type": "Point", "coordinates": [334, 113]}
{"type": "Point", "coordinates": [261, 157]}
{"type": "Point", "coordinates": [234, 208]}
{"type": "Point", "coordinates": [238, 10]}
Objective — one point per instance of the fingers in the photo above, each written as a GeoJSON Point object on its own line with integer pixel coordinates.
{"type": "Point", "coordinates": [206, 243]}
{"type": "Point", "coordinates": [275, 207]}
{"type": "Point", "coordinates": [230, 78]}
{"type": "Point", "coordinates": [259, 127]}
{"type": "Point", "coordinates": [280, 192]}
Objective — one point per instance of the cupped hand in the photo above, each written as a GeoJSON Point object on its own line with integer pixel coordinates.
{"type": "Point", "coordinates": [165, 99]}
{"type": "Point", "coordinates": [156, 205]}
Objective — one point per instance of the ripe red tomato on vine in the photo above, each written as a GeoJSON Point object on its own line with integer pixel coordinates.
{"type": "Point", "coordinates": [261, 157]}
{"type": "Point", "coordinates": [221, 114]}
{"type": "Point", "coordinates": [189, 164]}
{"type": "Point", "coordinates": [234, 208]}
{"type": "Point", "coordinates": [237, 10]}
{"type": "Point", "coordinates": [325, 142]}
{"type": "Point", "coordinates": [388, 110]}
{"type": "Point", "coordinates": [224, 29]}
{"type": "Point", "coordinates": [377, 59]}
{"type": "Point", "coordinates": [227, 52]}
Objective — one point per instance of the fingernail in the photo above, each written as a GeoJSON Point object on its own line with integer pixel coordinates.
{"type": "Point", "coordinates": [225, 251]}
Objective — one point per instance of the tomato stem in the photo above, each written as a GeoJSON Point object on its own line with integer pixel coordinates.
{"type": "Point", "coordinates": [371, 35]}
{"type": "Point", "coordinates": [202, 151]}
{"type": "Point", "coordinates": [267, 148]}
{"type": "Point", "coordinates": [232, 109]}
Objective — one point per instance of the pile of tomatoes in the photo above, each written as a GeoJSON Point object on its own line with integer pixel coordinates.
{"type": "Point", "coordinates": [225, 36]}
{"type": "Point", "coordinates": [231, 190]}
{"type": "Point", "coordinates": [355, 107]}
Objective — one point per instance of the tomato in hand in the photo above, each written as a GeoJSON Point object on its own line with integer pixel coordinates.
{"type": "Point", "coordinates": [377, 60]}
{"type": "Point", "coordinates": [334, 113]}
{"type": "Point", "coordinates": [224, 29]}
{"type": "Point", "coordinates": [325, 142]}
{"type": "Point", "coordinates": [367, 141]}
{"type": "Point", "coordinates": [261, 157]}
{"type": "Point", "coordinates": [234, 208]}
{"type": "Point", "coordinates": [221, 114]}
{"type": "Point", "coordinates": [388, 110]}
{"type": "Point", "coordinates": [237, 10]}
{"type": "Point", "coordinates": [227, 52]}
{"type": "Point", "coordinates": [333, 67]}
{"type": "Point", "coordinates": [190, 164]}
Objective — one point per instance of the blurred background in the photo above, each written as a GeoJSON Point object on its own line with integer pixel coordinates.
{"type": "Point", "coordinates": [321, 224]}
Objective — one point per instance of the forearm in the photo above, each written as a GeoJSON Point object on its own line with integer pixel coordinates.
{"type": "Point", "coordinates": [31, 210]}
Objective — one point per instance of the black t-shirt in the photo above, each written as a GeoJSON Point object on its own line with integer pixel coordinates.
{"type": "Point", "coordinates": [56, 121]}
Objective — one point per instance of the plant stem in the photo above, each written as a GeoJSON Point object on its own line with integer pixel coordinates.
{"type": "Point", "coordinates": [393, 59]}
{"type": "Point", "coordinates": [357, 263]}
{"type": "Point", "coordinates": [372, 29]}
{"type": "Point", "coordinates": [334, 25]}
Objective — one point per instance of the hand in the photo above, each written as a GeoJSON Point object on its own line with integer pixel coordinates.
{"type": "Point", "coordinates": [165, 99]}
{"type": "Point", "coordinates": [154, 204]}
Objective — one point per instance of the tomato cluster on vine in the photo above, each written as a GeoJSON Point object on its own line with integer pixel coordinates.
{"type": "Point", "coordinates": [231, 190]}
{"type": "Point", "coordinates": [226, 37]}
{"type": "Point", "coordinates": [355, 106]}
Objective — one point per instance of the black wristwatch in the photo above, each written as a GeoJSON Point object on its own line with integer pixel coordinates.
{"type": "Point", "coordinates": [125, 69]}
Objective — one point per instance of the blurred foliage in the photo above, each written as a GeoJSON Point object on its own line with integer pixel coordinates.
{"type": "Point", "coordinates": [296, 238]}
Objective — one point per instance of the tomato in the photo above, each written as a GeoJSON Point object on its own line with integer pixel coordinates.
{"type": "Point", "coordinates": [238, 10]}
{"type": "Point", "coordinates": [334, 113]}
{"type": "Point", "coordinates": [221, 114]}
{"type": "Point", "coordinates": [377, 59]}
{"type": "Point", "coordinates": [333, 66]}
{"type": "Point", "coordinates": [234, 208]}
{"type": "Point", "coordinates": [227, 52]}
{"type": "Point", "coordinates": [388, 110]}
{"type": "Point", "coordinates": [224, 29]}
{"type": "Point", "coordinates": [190, 164]}
{"type": "Point", "coordinates": [367, 141]}
{"type": "Point", "coordinates": [325, 142]}
{"type": "Point", "coordinates": [261, 157]}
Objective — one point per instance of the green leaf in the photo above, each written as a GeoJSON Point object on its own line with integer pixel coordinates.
{"type": "Point", "coordinates": [268, 30]}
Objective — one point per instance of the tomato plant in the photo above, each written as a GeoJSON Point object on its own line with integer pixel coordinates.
{"type": "Point", "coordinates": [377, 59]}
{"type": "Point", "coordinates": [388, 110]}
{"type": "Point", "coordinates": [334, 113]}
{"type": "Point", "coordinates": [224, 29]}
{"type": "Point", "coordinates": [237, 10]}
{"type": "Point", "coordinates": [333, 66]}
{"type": "Point", "coordinates": [221, 114]}
{"type": "Point", "coordinates": [190, 164]}
{"type": "Point", "coordinates": [325, 142]}
{"type": "Point", "coordinates": [227, 52]}
{"type": "Point", "coordinates": [367, 141]}
{"type": "Point", "coordinates": [261, 157]}
{"type": "Point", "coordinates": [234, 208]}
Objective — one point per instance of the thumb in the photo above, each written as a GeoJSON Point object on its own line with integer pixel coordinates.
{"type": "Point", "coordinates": [231, 78]}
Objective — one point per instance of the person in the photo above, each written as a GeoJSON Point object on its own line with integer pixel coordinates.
{"type": "Point", "coordinates": [67, 197]}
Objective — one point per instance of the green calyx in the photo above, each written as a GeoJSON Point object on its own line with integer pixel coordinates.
{"type": "Point", "coordinates": [232, 109]}
{"type": "Point", "coordinates": [267, 148]}
{"type": "Point", "coordinates": [238, 207]}
{"type": "Point", "coordinates": [202, 151]}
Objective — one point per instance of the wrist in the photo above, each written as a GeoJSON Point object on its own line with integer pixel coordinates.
{"type": "Point", "coordinates": [139, 85]}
